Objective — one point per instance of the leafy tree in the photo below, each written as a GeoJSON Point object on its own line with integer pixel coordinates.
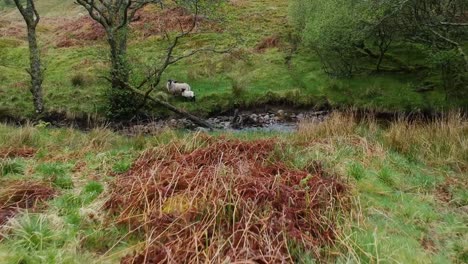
{"type": "Point", "coordinates": [31, 17]}
{"type": "Point", "coordinates": [333, 29]}
{"type": "Point", "coordinates": [340, 30]}
{"type": "Point", "coordinates": [440, 24]}
{"type": "Point", "coordinates": [450, 65]}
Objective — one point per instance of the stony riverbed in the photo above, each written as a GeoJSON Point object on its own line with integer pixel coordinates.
{"type": "Point", "coordinates": [271, 120]}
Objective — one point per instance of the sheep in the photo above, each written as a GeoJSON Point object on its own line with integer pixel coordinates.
{"type": "Point", "coordinates": [177, 88]}
{"type": "Point", "coordinates": [190, 95]}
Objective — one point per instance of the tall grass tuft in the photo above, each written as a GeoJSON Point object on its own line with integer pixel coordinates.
{"type": "Point", "coordinates": [26, 135]}
{"type": "Point", "coordinates": [10, 166]}
{"type": "Point", "coordinates": [32, 232]}
{"type": "Point", "coordinates": [338, 124]}
{"type": "Point", "coordinates": [443, 141]}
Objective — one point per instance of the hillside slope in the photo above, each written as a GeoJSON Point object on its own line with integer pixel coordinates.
{"type": "Point", "coordinates": [261, 70]}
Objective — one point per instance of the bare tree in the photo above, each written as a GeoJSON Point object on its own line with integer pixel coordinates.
{"type": "Point", "coordinates": [115, 17]}
{"type": "Point", "coordinates": [31, 17]}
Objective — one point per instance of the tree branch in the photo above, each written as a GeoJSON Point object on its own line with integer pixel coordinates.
{"type": "Point", "coordinates": [454, 43]}
{"type": "Point", "coordinates": [454, 24]}
{"type": "Point", "coordinates": [95, 12]}
{"type": "Point", "coordinates": [36, 14]}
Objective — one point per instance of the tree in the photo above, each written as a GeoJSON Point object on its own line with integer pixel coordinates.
{"type": "Point", "coordinates": [115, 17]}
{"type": "Point", "coordinates": [154, 76]}
{"type": "Point", "coordinates": [31, 17]}
{"type": "Point", "coordinates": [331, 29]}
{"type": "Point", "coordinates": [440, 24]}
{"type": "Point", "coordinates": [338, 30]}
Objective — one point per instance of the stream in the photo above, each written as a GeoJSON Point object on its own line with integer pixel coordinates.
{"type": "Point", "coordinates": [268, 121]}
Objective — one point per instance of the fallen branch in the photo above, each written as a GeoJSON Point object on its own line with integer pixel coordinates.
{"type": "Point", "coordinates": [195, 119]}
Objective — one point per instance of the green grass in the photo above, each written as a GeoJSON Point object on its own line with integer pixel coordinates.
{"type": "Point", "coordinates": [10, 166]}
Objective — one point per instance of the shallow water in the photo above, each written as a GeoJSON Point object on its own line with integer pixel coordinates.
{"type": "Point", "coordinates": [278, 127]}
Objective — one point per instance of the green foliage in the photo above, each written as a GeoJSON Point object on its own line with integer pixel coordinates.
{"type": "Point", "coordinates": [452, 67]}
{"type": "Point", "coordinates": [63, 182]}
{"type": "Point", "coordinates": [8, 2]}
{"type": "Point", "coordinates": [300, 255]}
{"type": "Point", "coordinates": [50, 169]}
{"type": "Point", "coordinates": [347, 36]}
{"type": "Point", "coordinates": [102, 240]}
{"type": "Point", "coordinates": [121, 104]}
{"type": "Point", "coordinates": [332, 29]}
{"type": "Point", "coordinates": [238, 89]}
{"type": "Point", "coordinates": [68, 206]}
{"type": "Point", "coordinates": [386, 176]}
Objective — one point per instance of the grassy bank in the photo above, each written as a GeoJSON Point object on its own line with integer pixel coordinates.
{"type": "Point", "coordinates": [405, 198]}
{"type": "Point", "coordinates": [261, 70]}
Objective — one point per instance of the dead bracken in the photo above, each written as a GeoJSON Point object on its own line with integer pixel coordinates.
{"type": "Point", "coordinates": [230, 200]}
{"type": "Point", "coordinates": [147, 22]}
{"type": "Point", "coordinates": [24, 152]}
{"type": "Point", "coordinates": [22, 195]}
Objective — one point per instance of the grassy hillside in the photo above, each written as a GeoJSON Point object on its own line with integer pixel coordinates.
{"type": "Point", "coordinates": [261, 69]}
{"type": "Point", "coordinates": [345, 190]}
{"type": "Point", "coordinates": [403, 195]}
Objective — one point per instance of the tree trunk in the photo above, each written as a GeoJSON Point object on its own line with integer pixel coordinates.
{"type": "Point", "coordinates": [35, 70]}
{"type": "Point", "coordinates": [31, 17]}
{"type": "Point", "coordinates": [122, 104]}
{"type": "Point", "coordinates": [380, 61]}
{"type": "Point", "coordinates": [118, 51]}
